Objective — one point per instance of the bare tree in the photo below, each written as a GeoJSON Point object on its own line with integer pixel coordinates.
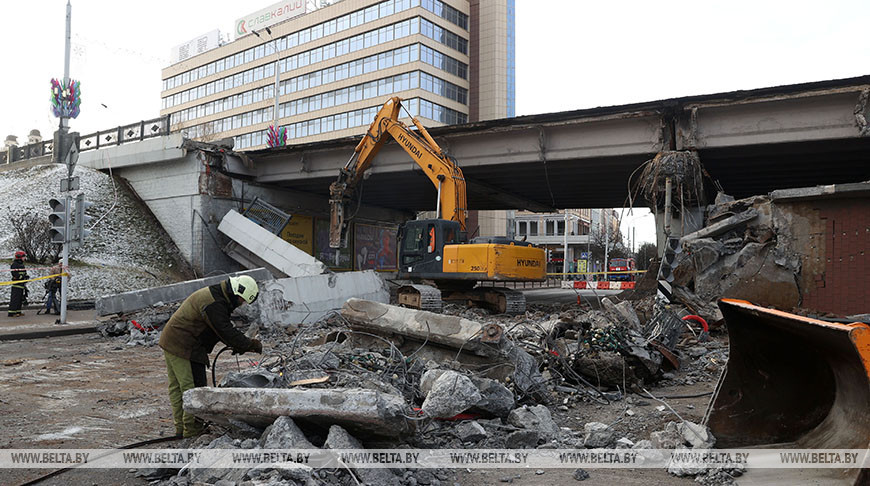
{"type": "Point", "coordinates": [645, 253]}
{"type": "Point", "coordinates": [31, 235]}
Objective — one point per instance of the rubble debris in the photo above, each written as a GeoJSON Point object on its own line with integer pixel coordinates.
{"type": "Point", "coordinates": [494, 398]}
{"type": "Point", "coordinates": [699, 436]}
{"type": "Point", "coordinates": [451, 393]}
{"type": "Point", "coordinates": [598, 435]}
{"type": "Point", "coordinates": [284, 434]}
{"type": "Point", "coordinates": [624, 443]}
{"type": "Point", "coordinates": [339, 438]}
{"type": "Point", "coordinates": [537, 418]}
{"type": "Point", "coordinates": [250, 379]}
{"type": "Point", "coordinates": [470, 431]}
{"type": "Point", "coordinates": [366, 411]}
{"type": "Point", "coordinates": [522, 439]}
{"type": "Point", "coordinates": [722, 227]}
{"type": "Point", "coordinates": [580, 475]}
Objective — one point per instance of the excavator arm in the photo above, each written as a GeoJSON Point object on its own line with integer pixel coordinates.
{"type": "Point", "coordinates": [444, 173]}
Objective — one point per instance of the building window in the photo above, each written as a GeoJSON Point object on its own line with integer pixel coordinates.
{"type": "Point", "coordinates": [533, 228]}
{"type": "Point", "coordinates": [521, 228]}
{"type": "Point", "coordinates": [560, 228]}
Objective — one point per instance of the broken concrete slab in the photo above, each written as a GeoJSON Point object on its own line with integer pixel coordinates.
{"type": "Point", "coordinates": [536, 418]}
{"type": "Point", "coordinates": [598, 435]}
{"type": "Point", "coordinates": [470, 432]}
{"type": "Point", "coordinates": [338, 438]}
{"type": "Point", "coordinates": [699, 436]}
{"type": "Point", "coordinates": [451, 331]}
{"type": "Point", "coordinates": [289, 301]}
{"type": "Point", "coordinates": [266, 249]}
{"type": "Point", "coordinates": [495, 398]}
{"type": "Point", "coordinates": [251, 379]}
{"type": "Point", "coordinates": [141, 299]}
{"type": "Point", "coordinates": [450, 394]}
{"type": "Point", "coordinates": [522, 439]}
{"type": "Point", "coordinates": [284, 434]}
{"type": "Point", "coordinates": [360, 410]}
{"type": "Point", "coordinates": [722, 226]}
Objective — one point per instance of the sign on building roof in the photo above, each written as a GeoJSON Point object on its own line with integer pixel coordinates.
{"type": "Point", "coordinates": [269, 16]}
{"type": "Point", "coordinates": [203, 43]}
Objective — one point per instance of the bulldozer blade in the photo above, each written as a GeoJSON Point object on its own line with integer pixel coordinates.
{"type": "Point", "coordinates": [796, 383]}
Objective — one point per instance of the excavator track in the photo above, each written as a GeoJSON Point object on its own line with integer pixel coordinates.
{"type": "Point", "coordinates": [500, 300]}
{"type": "Point", "coordinates": [418, 296]}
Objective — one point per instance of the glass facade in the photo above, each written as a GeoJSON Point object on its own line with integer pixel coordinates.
{"type": "Point", "coordinates": [351, 119]}
{"type": "Point", "coordinates": [430, 70]}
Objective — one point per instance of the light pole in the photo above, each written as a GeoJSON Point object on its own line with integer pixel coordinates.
{"type": "Point", "coordinates": [277, 137]}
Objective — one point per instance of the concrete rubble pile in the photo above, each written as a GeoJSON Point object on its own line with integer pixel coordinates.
{"type": "Point", "coordinates": [379, 376]}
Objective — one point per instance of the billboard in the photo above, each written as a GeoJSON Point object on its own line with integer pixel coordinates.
{"type": "Point", "coordinates": [374, 247]}
{"type": "Point", "coordinates": [326, 254]}
{"type": "Point", "coordinates": [203, 43]}
{"type": "Point", "coordinates": [299, 232]}
{"type": "Point", "coordinates": [269, 16]}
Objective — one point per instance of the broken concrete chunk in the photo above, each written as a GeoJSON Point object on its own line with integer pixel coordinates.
{"type": "Point", "coordinates": [365, 411]}
{"type": "Point", "coordinates": [535, 418]}
{"type": "Point", "coordinates": [623, 312]}
{"type": "Point", "coordinates": [338, 438]}
{"type": "Point", "coordinates": [451, 393]}
{"type": "Point", "coordinates": [495, 398]}
{"type": "Point", "coordinates": [598, 435]}
{"type": "Point", "coordinates": [522, 439]}
{"type": "Point", "coordinates": [254, 379]}
{"type": "Point", "coordinates": [580, 475]}
{"type": "Point", "coordinates": [678, 468]}
{"type": "Point", "coordinates": [526, 376]}
{"type": "Point", "coordinates": [699, 436]}
{"type": "Point", "coordinates": [624, 443]}
{"type": "Point", "coordinates": [722, 226]}
{"type": "Point", "coordinates": [470, 432]}
{"type": "Point", "coordinates": [288, 301]}
{"type": "Point", "coordinates": [428, 379]}
{"type": "Point", "coordinates": [284, 434]}
{"type": "Point", "coordinates": [670, 438]}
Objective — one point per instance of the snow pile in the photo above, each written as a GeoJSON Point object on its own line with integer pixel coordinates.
{"type": "Point", "coordinates": [126, 250]}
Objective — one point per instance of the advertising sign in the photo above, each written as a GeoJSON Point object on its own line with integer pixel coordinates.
{"type": "Point", "coordinates": [326, 254]}
{"type": "Point", "coordinates": [374, 247]}
{"type": "Point", "coordinates": [269, 16]}
{"type": "Point", "coordinates": [203, 43]}
{"type": "Point", "coordinates": [299, 232]}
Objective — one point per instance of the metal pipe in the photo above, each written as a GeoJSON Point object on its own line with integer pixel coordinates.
{"type": "Point", "coordinates": [565, 245]}
{"type": "Point", "coordinates": [667, 223]}
{"type": "Point", "coordinates": [438, 202]}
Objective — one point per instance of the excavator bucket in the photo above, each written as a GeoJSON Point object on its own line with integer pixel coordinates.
{"type": "Point", "coordinates": [796, 383]}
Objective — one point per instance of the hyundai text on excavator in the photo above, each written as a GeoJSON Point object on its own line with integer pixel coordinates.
{"type": "Point", "coordinates": [437, 250]}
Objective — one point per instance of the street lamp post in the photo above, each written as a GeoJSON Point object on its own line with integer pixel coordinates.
{"type": "Point", "coordinates": [276, 136]}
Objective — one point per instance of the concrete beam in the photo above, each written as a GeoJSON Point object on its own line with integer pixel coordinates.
{"type": "Point", "coordinates": [289, 301]}
{"type": "Point", "coordinates": [451, 331]}
{"type": "Point", "coordinates": [150, 151]}
{"type": "Point", "coordinates": [506, 197]}
{"type": "Point", "coordinates": [270, 248]}
{"type": "Point", "coordinates": [144, 298]}
{"type": "Point", "coordinates": [800, 118]}
{"type": "Point", "coordinates": [358, 410]}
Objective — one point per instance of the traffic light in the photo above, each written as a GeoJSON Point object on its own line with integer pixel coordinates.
{"type": "Point", "coordinates": [82, 219]}
{"type": "Point", "coordinates": [666, 270]}
{"type": "Point", "coordinates": [58, 218]}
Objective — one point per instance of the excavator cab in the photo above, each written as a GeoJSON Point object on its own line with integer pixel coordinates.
{"type": "Point", "coordinates": [421, 245]}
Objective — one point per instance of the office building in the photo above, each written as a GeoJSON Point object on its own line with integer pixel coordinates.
{"type": "Point", "coordinates": [451, 60]}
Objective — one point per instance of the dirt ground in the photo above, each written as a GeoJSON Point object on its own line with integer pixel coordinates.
{"type": "Point", "coordinates": [86, 391]}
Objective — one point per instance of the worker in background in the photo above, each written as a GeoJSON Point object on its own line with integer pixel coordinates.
{"type": "Point", "coordinates": [192, 332]}
{"type": "Point", "coordinates": [52, 287]}
{"type": "Point", "coordinates": [19, 290]}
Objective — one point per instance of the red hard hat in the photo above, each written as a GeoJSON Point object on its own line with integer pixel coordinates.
{"type": "Point", "coordinates": [20, 254]}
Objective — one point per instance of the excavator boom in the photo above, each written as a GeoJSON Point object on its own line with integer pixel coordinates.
{"type": "Point", "coordinates": [445, 174]}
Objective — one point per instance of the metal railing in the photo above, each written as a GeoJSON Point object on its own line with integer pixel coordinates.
{"type": "Point", "coordinates": [133, 132]}
{"type": "Point", "coordinates": [267, 216]}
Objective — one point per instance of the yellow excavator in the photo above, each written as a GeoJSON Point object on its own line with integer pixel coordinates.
{"type": "Point", "coordinates": [437, 250]}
